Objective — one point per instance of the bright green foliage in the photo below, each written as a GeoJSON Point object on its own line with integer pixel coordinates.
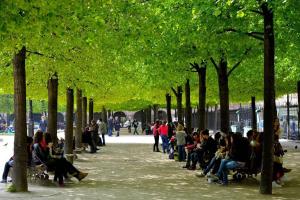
{"type": "Point", "coordinates": [126, 54]}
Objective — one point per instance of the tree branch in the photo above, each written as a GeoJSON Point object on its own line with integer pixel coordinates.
{"type": "Point", "coordinates": [39, 54]}
{"type": "Point", "coordinates": [239, 62]}
{"type": "Point", "coordinates": [195, 66]}
{"type": "Point", "coordinates": [174, 91]}
{"type": "Point", "coordinates": [254, 34]}
{"type": "Point", "coordinates": [257, 12]}
{"type": "Point", "coordinates": [214, 63]}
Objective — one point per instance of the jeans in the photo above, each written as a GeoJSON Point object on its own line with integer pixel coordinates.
{"type": "Point", "coordinates": [155, 146]}
{"type": "Point", "coordinates": [210, 165]}
{"type": "Point", "coordinates": [7, 166]}
{"type": "Point", "coordinates": [181, 153]}
{"type": "Point", "coordinates": [165, 143]}
{"type": "Point", "coordinates": [110, 130]}
{"type": "Point", "coordinates": [226, 164]}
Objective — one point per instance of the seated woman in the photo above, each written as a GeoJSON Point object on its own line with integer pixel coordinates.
{"type": "Point", "coordinates": [223, 147]}
{"type": "Point", "coordinates": [43, 153]}
{"type": "Point", "coordinates": [10, 163]}
{"type": "Point", "coordinates": [237, 157]}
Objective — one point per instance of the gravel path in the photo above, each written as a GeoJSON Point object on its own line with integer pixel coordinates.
{"type": "Point", "coordinates": [133, 171]}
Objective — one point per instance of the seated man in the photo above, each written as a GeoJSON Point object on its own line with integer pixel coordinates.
{"type": "Point", "coordinates": [205, 151]}
{"type": "Point", "coordinates": [10, 163]}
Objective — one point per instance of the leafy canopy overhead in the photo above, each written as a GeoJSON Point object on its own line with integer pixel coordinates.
{"type": "Point", "coordinates": [127, 54]}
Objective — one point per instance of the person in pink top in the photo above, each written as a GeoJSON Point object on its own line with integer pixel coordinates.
{"type": "Point", "coordinates": [155, 131]}
{"type": "Point", "coordinates": [163, 131]}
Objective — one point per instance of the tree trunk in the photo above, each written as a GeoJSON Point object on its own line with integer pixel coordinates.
{"type": "Point", "coordinates": [288, 115]}
{"type": "Point", "coordinates": [20, 150]}
{"type": "Point", "coordinates": [298, 93]}
{"type": "Point", "coordinates": [188, 108]}
{"type": "Point", "coordinates": [78, 135]}
{"type": "Point", "coordinates": [179, 104]}
{"type": "Point", "coordinates": [168, 99]}
{"type": "Point", "coordinates": [69, 125]}
{"type": "Point", "coordinates": [224, 94]}
{"type": "Point", "coordinates": [253, 108]}
{"type": "Point", "coordinates": [91, 110]}
{"type": "Point", "coordinates": [269, 101]}
{"type": "Point", "coordinates": [30, 120]}
{"type": "Point", "coordinates": [84, 112]}
{"type": "Point", "coordinates": [52, 107]}
{"type": "Point", "coordinates": [202, 97]}
{"type": "Point", "coordinates": [104, 114]}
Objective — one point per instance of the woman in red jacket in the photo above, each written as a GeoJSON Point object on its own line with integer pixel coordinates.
{"type": "Point", "coordinates": [155, 131]}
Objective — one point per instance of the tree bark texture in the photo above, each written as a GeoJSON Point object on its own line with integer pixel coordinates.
{"type": "Point", "coordinates": [69, 125]}
{"type": "Point", "coordinates": [169, 115]}
{"type": "Point", "coordinates": [84, 112]}
{"type": "Point", "coordinates": [20, 150]}
{"type": "Point", "coordinates": [91, 110]}
{"type": "Point", "coordinates": [179, 112]}
{"type": "Point", "coordinates": [202, 97]}
{"type": "Point", "coordinates": [30, 120]}
{"type": "Point", "coordinates": [79, 130]}
{"type": "Point", "coordinates": [224, 94]}
{"type": "Point", "coordinates": [253, 108]}
{"type": "Point", "coordinates": [269, 101]}
{"type": "Point", "coordinates": [52, 107]}
{"type": "Point", "coordinates": [188, 108]}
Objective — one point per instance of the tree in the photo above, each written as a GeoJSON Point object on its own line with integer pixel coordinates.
{"type": "Point", "coordinates": [20, 150]}
{"type": "Point", "coordinates": [201, 71]}
{"type": "Point", "coordinates": [178, 95]}
{"type": "Point", "coordinates": [79, 130]}
{"type": "Point", "coordinates": [52, 107]}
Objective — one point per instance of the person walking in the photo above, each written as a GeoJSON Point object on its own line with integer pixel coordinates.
{"type": "Point", "coordinates": [155, 131]}
{"type": "Point", "coordinates": [102, 130]}
{"type": "Point", "coordinates": [110, 126]}
{"type": "Point", "coordinates": [129, 126]}
{"type": "Point", "coordinates": [135, 125]}
{"type": "Point", "coordinates": [117, 126]}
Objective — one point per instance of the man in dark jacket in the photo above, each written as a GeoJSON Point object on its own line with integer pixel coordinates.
{"type": "Point", "coordinates": [206, 151]}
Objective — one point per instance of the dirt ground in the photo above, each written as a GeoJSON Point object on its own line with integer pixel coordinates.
{"type": "Point", "coordinates": [133, 171]}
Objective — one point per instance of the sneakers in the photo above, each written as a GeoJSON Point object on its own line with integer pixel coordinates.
{"type": "Point", "coordinates": [201, 174]}
{"type": "Point", "coordinates": [81, 175]}
{"type": "Point", "coordinates": [213, 177]}
{"type": "Point", "coordinates": [275, 185]}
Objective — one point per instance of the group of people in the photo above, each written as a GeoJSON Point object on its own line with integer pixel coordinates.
{"type": "Point", "coordinates": [94, 135]}
{"type": "Point", "coordinates": [42, 154]}
{"type": "Point", "coordinates": [216, 155]}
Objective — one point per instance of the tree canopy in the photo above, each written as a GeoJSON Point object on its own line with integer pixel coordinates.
{"type": "Point", "coordinates": [127, 54]}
